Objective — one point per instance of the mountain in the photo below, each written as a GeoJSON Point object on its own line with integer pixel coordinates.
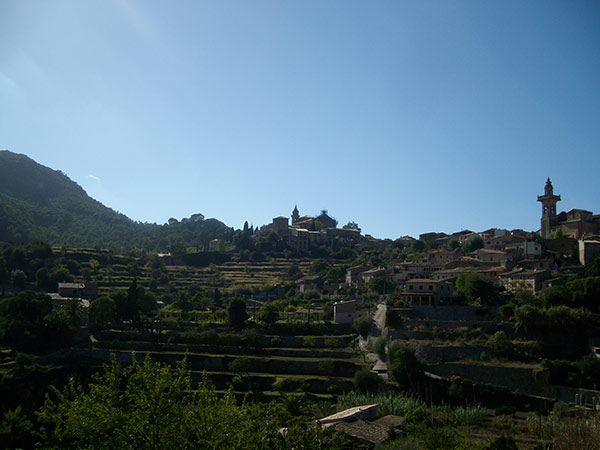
{"type": "Point", "coordinates": [37, 202]}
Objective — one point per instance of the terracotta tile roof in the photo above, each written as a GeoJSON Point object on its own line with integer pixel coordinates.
{"type": "Point", "coordinates": [365, 431]}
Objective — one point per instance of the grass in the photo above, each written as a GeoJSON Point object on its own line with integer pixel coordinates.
{"type": "Point", "coordinates": [395, 404]}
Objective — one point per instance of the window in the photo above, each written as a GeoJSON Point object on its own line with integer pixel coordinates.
{"type": "Point", "coordinates": [430, 287]}
{"type": "Point", "coordinates": [420, 287]}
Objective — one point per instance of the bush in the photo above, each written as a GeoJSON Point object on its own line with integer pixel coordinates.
{"type": "Point", "coordinates": [285, 385]}
{"type": "Point", "coordinates": [326, 367]}
{"type": "Point", "coordinates": [380, 345]}
{"type": "Point", "coordinates": [507, 310]}
{"type": "Point", "coordinates": [403, 365]}
{"type": "Point", "coordinates": [362, 325]}
{"type": "Point", "coordinates": [366, 381]}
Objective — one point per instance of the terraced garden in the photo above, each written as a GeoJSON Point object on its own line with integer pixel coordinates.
{"type": "Point", "coordinates": [273, 363]}
{"type": "Point", "coordinates": [117, 272]}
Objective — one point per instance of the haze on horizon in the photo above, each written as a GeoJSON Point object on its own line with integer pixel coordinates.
{"type": "Point", "coordinates": [406, 117]}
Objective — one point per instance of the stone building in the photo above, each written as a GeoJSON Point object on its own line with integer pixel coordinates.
{"type": "Point", "coordinates": [574, 223]}
{"type": "Point", "coordinates": [425, 291]}
{"type": "Point", "coordinates": [345, 312]}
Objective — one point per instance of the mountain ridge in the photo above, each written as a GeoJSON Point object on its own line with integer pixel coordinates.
{"type": "Point", "coordinates": [37, 202]}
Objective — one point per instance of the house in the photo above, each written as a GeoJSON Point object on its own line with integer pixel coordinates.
{"type": "Point", "coordinates": [434, 237]}
{"type": "Point", "coordinates": [362, 423]}
{"type": "Point", "coordinates": [463, 235]}
{"type": "Point", "coordinates": [525, 249]}
{"type": "Point", "coordinates": [494, 257]}
{"type": "Point", "coordinates": [371, 274]}
{"type": "Point", "coordinates": [87, 290]}
{"type": "Point", "coordinates": [524, 279]}
{"type": "Point", "coordinates": [589, 248]}
{"type": "Point", "coordinates": [489, 273]}
{"type": "Point", "coordinates": [500, 242]}
{"type": "Point", "coordinates": [345, 312]}
{"type": "Point", "coordinates": [536, 264]}
{"type": "Point", "coordinates": [426, 291]}
{"type": "Point", "coordinates": [364, 412]}
{"type": "Point", "coordinates": [443, 256]}
{"type": "Point", "coordinates": [374, 432]}
{"type": "Point", "coordinates": [309, 282]}
{"type": "Point", "coordinates": [352, 275]}
{"type": "Point", "coordinates": [58, 300]}
{"type": "Point", "coordinates": [493, 233]}
{"type": "Point", "coordinates": [406, 270]}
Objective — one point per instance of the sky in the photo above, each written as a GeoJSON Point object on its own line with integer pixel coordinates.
{"type": "Point", "coordinates": [403, 116]}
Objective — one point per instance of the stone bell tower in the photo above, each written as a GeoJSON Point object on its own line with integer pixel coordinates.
{"type": "Point", "coordinates": [295, 215]}
{"type": "Point", "coordinates": [548, 201]}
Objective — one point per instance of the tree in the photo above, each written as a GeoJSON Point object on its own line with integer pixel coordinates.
{"type": "Point", "coordinates": [351, 226]}
{"type": "Point", "coordinates": [366, 381]}
{"type": "Point", "coordinates": [318, 267]}
{"type": "Point", "coordinates": [22, 320]}
{"type": "Point", "coordinates": [102, 311]}
{"type": "Point", "coordinates": [144, 406]}
{"type": "Point", "coordinates": [63, 321]}
{"type": "Point", "coordinates": [473, 243]}
{"type": "Point", "coordinates": [19, 279]}
{"type": "Point", "coordinates": [239, 366]}
{"type": "Point", "coordinates": [182, 302]}
{"type": "Point", "coordinates": [268, 314]}
{"type": "Point", "coordinates": [16, 430]}
{"type": "Point", "coordinates": [42, 279]}
{"type": "Point", "coordinates": [453, 243]}
{"type": "Point", "coordinates": [474, 286]}
{"type": "Point", "coordinates": [380, 345]}
{"type": "Point", "coordinates": [404, 366]}
{"type": "Point", "coordinates": [236, 313]}
{"type": "Point", "coordinates": [294, 272]}
{"type": "Point", "coordinates": [381, 285]}
{"type": "Point", "coordinates": [4, 273]}
{"type": "Point", "coordinates": [362, 325]}
{"type": "Point", "coordinates": [58, 274]}
{"type": "Point", "coordinates": [418, 246]}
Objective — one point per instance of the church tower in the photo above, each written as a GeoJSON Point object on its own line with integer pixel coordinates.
{"type": "Point", "coordinates": [295, 215]}
{"type": "Point", "coordinates": [548, 201]}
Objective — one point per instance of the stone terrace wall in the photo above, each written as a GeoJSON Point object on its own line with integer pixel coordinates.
{"type": "Point", "coordinates": [455, 312]}
{"type": "Point", "coordinates": [445, 353]}
{"type": "Point", "coordinates": [583, 397]}
{"type": "Point", "coordinates": [524, 380]}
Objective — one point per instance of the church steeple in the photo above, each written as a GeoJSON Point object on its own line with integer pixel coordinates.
{"type": "Point", "coordinates": [295, 215]}
{"type": "Point", "coordinates": [548, 189]}
{"type": "Point", "coordinates": [548, 201]}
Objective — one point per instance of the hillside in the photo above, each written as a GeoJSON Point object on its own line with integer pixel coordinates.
{"type": "Point", "coordinates": [37, 202]}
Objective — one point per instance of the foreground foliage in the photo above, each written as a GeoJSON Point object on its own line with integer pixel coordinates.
{"type": "Point", "coordinates": [149, 406]}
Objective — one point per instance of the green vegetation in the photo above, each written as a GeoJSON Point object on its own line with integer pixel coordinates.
{"type": "Point", "coordinates": [260, 351]}
{"type": "Point", "coordinates": [149, 406]}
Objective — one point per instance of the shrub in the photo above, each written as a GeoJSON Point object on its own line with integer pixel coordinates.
{"type": "Point", "coordinates": [333, 389]}
{"type": "Point", "coordinates": [362, 325]}
{"type": "Point", "coordinates": [380, 345]}
{"type": "Point", "coordinates": [366, 381]}
{"type": "Point", "coordinates": [507, 310]}
{"type": "Point", "coordinates": [326, 367]}
{"type": "Point", "coordinates": [239, 365]}
{"type": "Point", "coordinates": [403, 365]}
{"type": "Point", "coordinates": [285, 385]}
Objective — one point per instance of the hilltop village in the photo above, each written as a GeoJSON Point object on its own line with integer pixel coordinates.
{"type": "Point", "coordinates": [510, 259]}
{"type": "Point", "coordinates": [486, 339]}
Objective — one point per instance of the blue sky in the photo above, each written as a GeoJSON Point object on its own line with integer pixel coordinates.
{"type": "Point", "coordinates": [406, 117]}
